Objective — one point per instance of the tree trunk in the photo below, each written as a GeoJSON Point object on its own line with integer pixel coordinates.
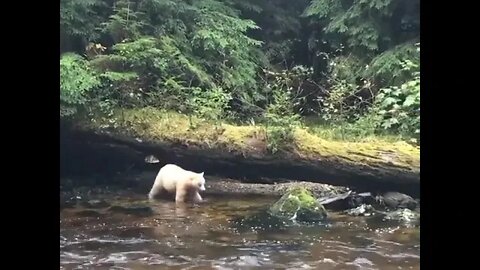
{"type": "Point", "coordinates": [118, 151]}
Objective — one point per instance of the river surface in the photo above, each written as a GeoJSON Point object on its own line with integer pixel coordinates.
{"type": "Point", "coordinates": [204, 237]}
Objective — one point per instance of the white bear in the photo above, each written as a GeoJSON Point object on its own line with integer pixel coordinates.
{"type": "Point", "coordinates": [175, 180]}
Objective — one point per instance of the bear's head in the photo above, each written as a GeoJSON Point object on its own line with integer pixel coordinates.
{"type": "Point", "coordinates": [198, 181]}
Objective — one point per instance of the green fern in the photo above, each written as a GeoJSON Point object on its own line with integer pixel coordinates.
{"type": "Point", "coordinates": [79, 18]}
{"type": "Point", "coordinates": [365, 24]}
{"type": "Point", "coordinates": [124, 23]}
{"type": "Point", "coordinates": [76, 80]}
{"type": "Point", "coordinates": [387, 67]}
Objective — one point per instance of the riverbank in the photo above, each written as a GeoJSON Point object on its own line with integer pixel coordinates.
{"type": "Point", "coordinates": [241, 152]}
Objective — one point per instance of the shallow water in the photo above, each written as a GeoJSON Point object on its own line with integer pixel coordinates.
{"type": "Point", "coordinates": [203, 237]}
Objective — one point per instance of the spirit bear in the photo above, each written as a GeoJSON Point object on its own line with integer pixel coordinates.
{"type": "Point", "coordinates": [184, 184]}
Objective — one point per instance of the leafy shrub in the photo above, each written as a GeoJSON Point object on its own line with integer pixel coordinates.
{"type": "Point", "coordinates": [77, 79]}
{"type": "Point", "coordinates": [400, 105]}
{"type": "Point", "coordinates": [280, 118]}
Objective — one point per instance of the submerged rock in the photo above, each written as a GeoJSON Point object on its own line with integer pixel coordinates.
{"type": "Point", "coordinates": [68, 200]}
{"type": "Point", "coordinates": [88, 213]}
{"type": "Point", "coordinates": [403, 215]}
{"type": "Point", "coordinates": [346, 200]}
{"type": "Point", "coordinates": [362, 210]}
{"type": "Point", "coordinates": [359, 199]}
{"type": "Point", "coordinates": [299, 204]}
{"type": "Point", "coordinates": [67, 203]}
{"type": "Point", "coordinates": [137, 210]}
{"type": "Point", "coordinates": [405, 235]}
{"type": "Point", "coordinates": [246, 261]}
{"type": "Point", "coordinates": [396, 200]}
{"type": "Point", "coordinates": [95, 204]}
{"type": "Point", "coordinates": [260, 221]}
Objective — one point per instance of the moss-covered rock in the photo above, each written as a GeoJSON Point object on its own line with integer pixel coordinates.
{"type": "Point", "coordinates": [299, 204]}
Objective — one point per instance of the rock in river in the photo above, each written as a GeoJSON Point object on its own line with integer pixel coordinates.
{"type": "Point", "coordinates": [396, 200]}
{"type": "Point", "coordinates": [299, 204]}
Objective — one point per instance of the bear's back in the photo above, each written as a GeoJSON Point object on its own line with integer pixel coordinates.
{"type": "Point", "coordinates": [172, 174]}
{"type": "Point", "coordinates": [172, 168]}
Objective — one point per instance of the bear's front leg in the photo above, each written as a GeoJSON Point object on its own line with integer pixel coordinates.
{"type": "Point", "coordinates": [197, 198]}
{"type": "Point", "coordinates": [180, 196]}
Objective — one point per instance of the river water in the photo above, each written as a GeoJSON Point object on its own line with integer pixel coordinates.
{"type": "Point", "coordinates": [204, 237]}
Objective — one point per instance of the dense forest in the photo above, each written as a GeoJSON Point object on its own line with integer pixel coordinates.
{"type": "Point", "coordinates": [347, 66]}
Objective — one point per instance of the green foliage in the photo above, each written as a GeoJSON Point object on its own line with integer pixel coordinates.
{"type": "Point", "coordinates": [343, 103]}
{"type": "Point", "coordinates": [387, 67]}
{"type": "Point", "coordinates": [400, 106]}
{"type": "Point", "coordinates": [200, 44]}
{"type": "Point", "coordinates": [165, 70]}
{"type": "Point", "coordinates": [220, 38]}
{"type": "Point", "coordinates": [205, 58]}
{"type": "Point", "coordinates": [146, 56]}
{"type": "Point", "coordinates": [334, 108]}
{"type": "Point", "coordinates": [124, 23]}
{"type": "Point", "coordinates": [367, 25]}
{"type": "Point", "coordinates": [350, 22]}
{"type": "Point", "coordinates": [280, 117]}
{"type": "Point", "coordinates": [396, 109]}
{"type": "Point", "coordinates": [346, 69]}
{"type": "Point", "coordinates": [280, 26]}
{"type": "Point", "coordinates": [378, 34]}
{"type": "Point", "coordinates": [76, 80]}
{"type": "Point", "coordinates": [210, 38]}
{"type": "Point", "coordinates": [113, 76]}
{"type": "Point", "coordinates": [210, 105]}
{"type": "Point", "coordinates": [79, 18]}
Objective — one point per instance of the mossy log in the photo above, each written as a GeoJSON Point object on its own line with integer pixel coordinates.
{"type": "Point", "coordinates": [236, 152]}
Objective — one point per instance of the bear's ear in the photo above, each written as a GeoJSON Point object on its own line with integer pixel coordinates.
{"type": "Point", "coordinates": [201, 174]}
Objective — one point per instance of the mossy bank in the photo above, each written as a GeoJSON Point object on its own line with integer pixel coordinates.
{"type": "Point", "coordinates": [235, 149]}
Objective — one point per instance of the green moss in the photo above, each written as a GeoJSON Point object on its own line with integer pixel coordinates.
{"type": "Point", "coordinates": [400, 154]}
{"type": "Point", "coordinates": [157, 125]}
{"type": "Point", "coordinates": [299, 204]}
{"type": "Point", "coordinates": [304, 195]}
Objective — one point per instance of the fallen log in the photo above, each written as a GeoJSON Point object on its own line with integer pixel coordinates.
{"type": "Point", "coordinates": [368, 174]}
